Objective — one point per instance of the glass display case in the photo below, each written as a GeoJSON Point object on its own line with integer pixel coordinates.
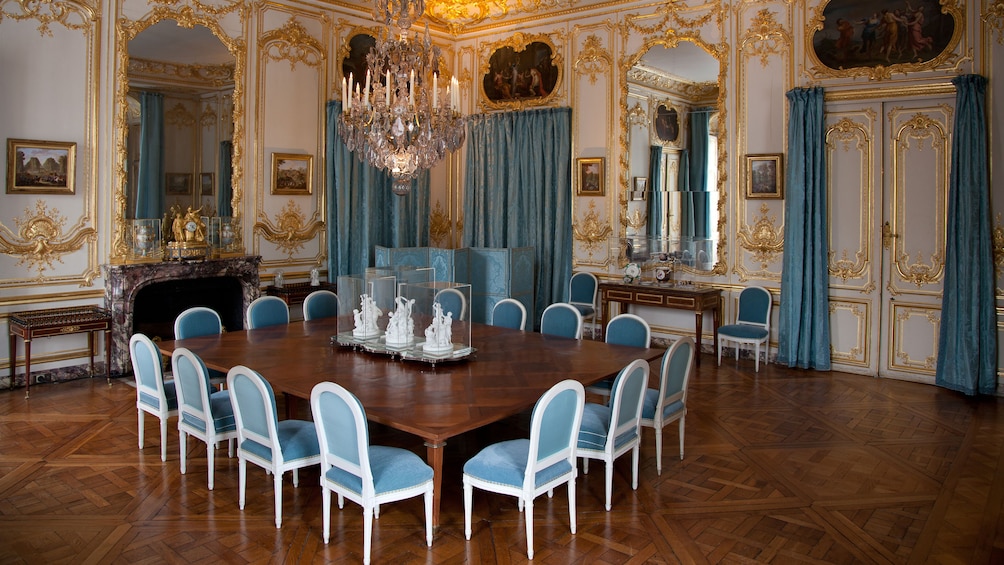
{"type": "Point", "coordinates": [145, 239]}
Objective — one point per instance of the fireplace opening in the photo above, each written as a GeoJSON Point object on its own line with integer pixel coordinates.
{"type": "Point", "coordinates": [158, 304]}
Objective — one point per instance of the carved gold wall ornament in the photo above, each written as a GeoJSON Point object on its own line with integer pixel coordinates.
{"type": "Point", "coordinates": [993, 17]}
{"type": "Point", "coordinates": [211, 9]}
{"type": "Point", "coordinates": [634, 220]}
{"type": "Point", "coordinates": [289, 233]}
{"type": "Point", "coordinates": [194, 75]}
{"type": "Point", "coordinates": [292, 42]}
{"type": "Point", "coordinates": [518, 42]}
{"type": "Point", "coordinates": [765, 239]}
{"type": "Point", "coordinates": [180, 116]}
{"type": "Point", "coordinates": [591, 231]}
{"type": "Point", "coordinates": [208, 117]}
{"type": "Point", "coordinates": [593, 60]}
{"type": "Point", "coordinates": [71, 15]}
{"type": "Point", "coordinates": [637, 116]}
{"type": "Point", "coordinates": [440, 226]}
{"type": "Point", "coordinates": [765, 37]}
{"type": "Point", "coordinates": [40, 239]}
{"type": "Point", "coordinates": [671, 17]}
{"type": "Point", "coordinates": [697, 92]}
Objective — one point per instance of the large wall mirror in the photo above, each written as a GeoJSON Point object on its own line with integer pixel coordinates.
{"type": "Point", "coordinates": [672, 115]}
{"type": "Point", "coordinates": [179, 108]}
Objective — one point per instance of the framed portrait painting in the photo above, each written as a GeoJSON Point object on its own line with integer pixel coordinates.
{"type": "Point", "coordinates": [765, 176]}
{"type": "Point", "coordinates": [666, 124]}
{"type": "Point", "coordinates": [291, 173]}
{"type": "Point", "coordinates": [590, 176]}
{"type": "Point", "coordinates": [40, 167]}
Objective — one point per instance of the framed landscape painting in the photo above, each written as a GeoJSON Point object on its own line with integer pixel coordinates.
{"type": "Point", "coordinates": [40, 167]}
{"type": "Point", "coordinates": [764, 176]}
{"type": "Point", "coordinates": [291, 173]}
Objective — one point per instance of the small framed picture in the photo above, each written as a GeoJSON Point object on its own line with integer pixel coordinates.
{"type": "Point", "coordinates": [667, 124]}
{"type": "Point", "coordinates": [40, 167]}
{"type": "Point", "coordinates": [639, 188]}
{"type": "Point", "coordinates": [765, 176]}
{"type": "Point", "coordinates": [178, 184]}
{"type": "Point", "coordinates": [591, 176]}
{"type": "Point", "coordinates": [206, 184]}
{"type": "Point", "coordinates": [292, 173]}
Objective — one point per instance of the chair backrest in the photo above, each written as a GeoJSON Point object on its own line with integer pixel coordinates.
{"type": "Point", "coordinates": [146, 366]}
{"type": "Point", "coordinates": [628, 329]}
{"type": "Point", "coordinates": [554, 429]}
{"type": "Point", "coordinates": [509, 313]}
{"type": "Point", "coordinates": [320, 304]}
{"type": "Point", "coordinates": [342, 432]}
{"type": "Point", "coordinates": [561, 319]}
{"type": "Point", "coordinates": [754, 306]}
{"type": "Point", "coordinates": [197, 322]}
{"type": "Point", "coordinates": [191, 378]}
{"type": "Point", "coordinates": [674, 373]}
{"type": "Point", "coordinates": [254, 412]}
{"type": "Point", "coordinates": [267, 311]}
{"type": "Point", "coordinates": [582, 288]}
{"type": "Point", "coordinates": [626, 402]}
{"type": "Point", "coordinates": [452, 300]}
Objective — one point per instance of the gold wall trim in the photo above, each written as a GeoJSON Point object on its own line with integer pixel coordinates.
{"type": "Point", "coordinates": [886, 93]}
{"type": "Point", "coordinates": [77, 16]}
{"type": "Point", "coordinates": [765, 240]}
{"type": "Point", "coordinates": [846, 132]}
{"type": "Point", "coordinates": [765, 37]}
{"type": "Point", "coordinates": [899, 358]}
{"type": "Point", "coordinates": [292, 42]}
{"type": "Point", "coordinates": [993, 17]}
{"type": "Point", "coordinates": [860, 354]}
{"type": "Point", "coordinates": [290, 231]}
{"type": "Point", "coordinates": [591, 231]}
{"type": "Point", "coordinates": [218, 76]}
{"type": "Point", "coordinates": [40, 240]}
{"type": "Point", "coordinates": [593, 59]}
{"type": "Point", "coordinates": [55, 297]}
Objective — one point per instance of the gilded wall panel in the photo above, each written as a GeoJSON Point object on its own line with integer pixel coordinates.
{"type": "Point", "coordinates": [849, 331]}
{"type": "Point", "coordinates": [913, 340]}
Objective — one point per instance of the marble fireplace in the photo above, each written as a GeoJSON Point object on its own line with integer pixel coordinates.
{"type": "Point", "coordinates": [148, 296]}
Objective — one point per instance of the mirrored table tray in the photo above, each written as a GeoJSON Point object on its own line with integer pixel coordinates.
{"type": "Point", "coordinates": [411, 352]}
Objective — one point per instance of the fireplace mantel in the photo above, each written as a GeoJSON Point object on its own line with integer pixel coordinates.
{"type": "Point", "coordinates": [123, 282]}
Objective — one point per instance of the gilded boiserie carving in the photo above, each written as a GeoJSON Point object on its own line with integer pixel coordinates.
{"type": "Point", "coordinates": [460, 14]}
{"type": "Point", "coordinates": [216, 75]}
{"type": "Point", "coordinates": [634, 220]}
{"type": "Point", "coordinates": [846, 135]}
{"type": "Point", "coordinates": [293, 43]}
{"type": "Point", "coordinates": [440, 226]}
{"type": "Point", "coordinates": [208, 116]}
{"type": "Point", "coordinates": [765, 239]}
{"type": "Point", "coordinates": [179, 116]}
{"type": "Point", "coordinates": [211, 9]}
{"type": "Point", "coordinates": [593, 60]}
{"type": "Point", "coordinates": [591, 231]}
{"type": "Point", "coordinates": [993, 17]}
{"type": "Point", "coordinates": [290, 231]}
{"type": "Point", "coordinates": [71, 15]}
{"type": "Point", "coordinates": [998, 247]}
{"type": "Point", "coordinates": [40, 239]}
{"type": "Point", "coordinates": [765, 37]}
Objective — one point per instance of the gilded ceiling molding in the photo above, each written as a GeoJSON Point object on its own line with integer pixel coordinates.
{"type": "Point", "coordinates": [292, 42]}
{"type": "Point", "coordinates": [211, 9]}
{"type": "Point", "coordinates": [180, 116]}
{"type": "Point", "coordinates": [693, 91]}
{"type": "Point", "coordinates": [993, 17]}
{"type": "Point", "coordinates": [765, 239]}
{"type": "Point", "coordinates": [289, 233]}
{"type": "Point", "coordinates": [518, 42]}
{"type": "Point", "coordinates": [76, 16]}
{"type": "Point", "coordinates": [216, 75]}
{"type": "Point", "coordinates": [591, 231]}
{"type": "Point", "coordinates": [594, 59]}
{"type": "Point", "coordinates": [846, 132]}
{"type": "Point", "coordinates": [126, 30]}
{"type": "Point", "coordinates": [947, 59]}
{"type": "Point", "coordinates": [765, 37]}
{"type": "Point", "coordinates": [457, 15]}
{"type": "Point", "coordinates": [40, 239]}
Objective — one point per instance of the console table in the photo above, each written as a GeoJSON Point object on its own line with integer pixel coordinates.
{"type": "Point", "coordinates": [58, 321]}
{"type": "Point", "coordinates": [295, 293]}
{"type": "Point", "coordinates": [696, 298]}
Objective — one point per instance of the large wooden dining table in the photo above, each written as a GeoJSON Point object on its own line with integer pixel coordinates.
{"type": "Point", "coordinates": [510, 370]}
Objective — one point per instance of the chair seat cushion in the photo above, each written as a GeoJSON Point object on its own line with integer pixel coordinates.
{"type": "Point", "coordinates": [505, 463]}
{"type": "Point", "coordinates": [297, 439]}
{"type": "Point", "coordinates": [584, 309]}
{"type": "Point", "coordinates": [652, 402]}
{"type": "Point", "coordinates": [223, 411]}
{"type": "Point", "coordinates": [604, 386]}
{"type": "Point", "coordinates": [170, 394]}
{"type": "Point", "coordinates": [742, 331]}
{"type": "Point", "coordinates": [393, 469]}
{"type": "Point", "coordinates": [594, 428]}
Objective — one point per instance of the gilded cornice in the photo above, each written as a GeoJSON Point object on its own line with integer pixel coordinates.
{"type": "Point", "coordinates": [591, 231]}
{"type": "Point", "coordinates": [593, 59]}
{"type": "Point", "coordinates": [293, 43]}
{"type": "Point", "coordinates": [290, 231]}
{"type": "Point", "coordinates": [764, 37]}
{"type": "Point", "coordinates": [664, 82]}
{"type": "Point", "coordinates": [518, 42]}
{"type": "Point", "coordinates": [210, 9]}
{"type": "Point", "coordinates": [40, 239]}
{"type": "Point", "coordinates": [76, 16]}
{"type": "Point", "coordinates": [216, 75]}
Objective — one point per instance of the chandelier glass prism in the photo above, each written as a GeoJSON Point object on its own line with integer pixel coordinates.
{"type": "Point", "coordinates": [397, 117]}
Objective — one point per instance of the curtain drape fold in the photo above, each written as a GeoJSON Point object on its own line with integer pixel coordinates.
{"type": "Point", "coordinates": [150, 172]}
{"type": "Point", "coordinates": [658, 216]}
{"type": "Point", "coordinates": [363, 212]}
{"type": "Point", "coordinates": [518, 192]}
{"type": "Point", "coordinates": [225, 188]}
{"type": "Point", "coordinates": [967, 343]}
{"type": "Point", "coordinates": [803, 317]}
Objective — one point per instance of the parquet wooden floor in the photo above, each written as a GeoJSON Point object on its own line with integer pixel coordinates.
{"type": "Point", "coordinates": [780, 467]}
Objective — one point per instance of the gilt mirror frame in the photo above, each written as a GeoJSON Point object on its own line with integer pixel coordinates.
{"type": "Point", "coordinates": [719, 52]}
{"type": "Point", "coordinates": [125, 31]}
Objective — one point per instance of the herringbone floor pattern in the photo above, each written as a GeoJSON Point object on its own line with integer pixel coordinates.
{"type": "Point", "coordinates": [780, 467]}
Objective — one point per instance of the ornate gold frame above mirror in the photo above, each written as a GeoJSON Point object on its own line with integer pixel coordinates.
{"type": "Point", "coordinates": [125, 31]}
{"type": "Point", "coordinates": [669, 40]}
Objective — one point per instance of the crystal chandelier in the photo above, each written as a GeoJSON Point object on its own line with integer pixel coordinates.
{"type": "Point", "coordinates": [397, 118]}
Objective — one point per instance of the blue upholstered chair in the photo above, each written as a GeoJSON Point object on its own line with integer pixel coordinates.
{"type": "Point", "coordinates": [267, 311]}
{"type": "Point", "coordinates": [369, 475]}
{"type": "Point", "coordinates": [509, 313]}
{"type": "Point", "coordinates": [752, 325]}
{"type": "Point", "coordinates": [206, 415]}
{"type": "Point", "coordinates": [609, 431]}
{"type": "Point", "coordinates": [320, 304]}
{"type": "Point", "coordinates": [561, 319]}
{"type": "Point", "coordinates": [154, 395]}
{"type": "Point", "coordinates": [263, 440]}
{"type": "Point", "coordinates": [452, 300]}
{"type": "Point", "coordinates": [582, 294]}
{"type": "Point", "coordinates": [197, 322]}
{"type": "Point", "coordinates": [526, 468]}
{"type": "Point", "coordinates": [668, 403]}
{"type": "Point", "coordinates": [623, 329]}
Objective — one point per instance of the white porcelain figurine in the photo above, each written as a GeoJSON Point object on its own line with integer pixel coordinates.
{"type": "Point", "coordinates": [401, 327]}
{"type": "Point", "coordinates": [366, 317]}
{"type": "Point", "coordinates": [439, 335]}
{"type": "Point", "coordinates": [315, 277]}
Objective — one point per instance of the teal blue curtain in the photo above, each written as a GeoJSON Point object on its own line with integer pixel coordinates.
{"type": "Point", "coordinates": [804, 317]}
{"type": "Point", "coordinates": [518, 189]}
{"type": "Point", "coordinates": [695, 196]}
{"type": "Point", "coordinates": [150, 172]}
{"type": "Point", "coordinates": [224, 184]}
{"type": "Point", "coordinates": [363, 212]}
{"type": "Point", "coordinates": [967, 344]}
{"type": "Point", "coordinates": [658, 220]}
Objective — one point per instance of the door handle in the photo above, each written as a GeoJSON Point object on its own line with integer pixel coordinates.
{"type": "Point", "coordinates": [887, 236]}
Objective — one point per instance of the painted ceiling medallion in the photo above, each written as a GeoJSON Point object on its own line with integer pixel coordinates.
{"type": "Point", "coordinates": [458, 14]}
{"type": "Point", "coordinates": [40, 239]}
